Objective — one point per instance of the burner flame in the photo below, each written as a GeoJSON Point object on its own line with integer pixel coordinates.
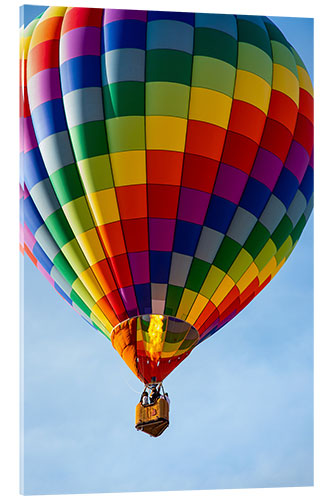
{"type": "Point", "coordinates": [155, 334]}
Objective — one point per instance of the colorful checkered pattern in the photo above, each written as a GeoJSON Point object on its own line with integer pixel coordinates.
{"type": "Point", "coordinates": [167, 160]}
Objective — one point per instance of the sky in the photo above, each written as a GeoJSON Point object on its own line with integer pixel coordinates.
{"type": "Point", "coordinates": [241, 404]}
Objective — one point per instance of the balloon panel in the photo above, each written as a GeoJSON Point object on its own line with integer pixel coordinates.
{"type": "Point", "coordinates": [167, 160]}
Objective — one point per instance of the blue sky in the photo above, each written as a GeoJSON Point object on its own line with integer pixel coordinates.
{"type": "Point", "coordinates": [241, 404]}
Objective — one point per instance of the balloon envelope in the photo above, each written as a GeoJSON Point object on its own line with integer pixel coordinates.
{"type": "Point", "coordinates": [167, 169]}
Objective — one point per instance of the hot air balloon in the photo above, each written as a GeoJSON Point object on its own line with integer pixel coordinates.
{"type": "Point", "coordinates": [167, 172]}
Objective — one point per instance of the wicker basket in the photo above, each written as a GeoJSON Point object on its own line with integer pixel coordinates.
{"type": "Point", "coordinates": [152, 419]}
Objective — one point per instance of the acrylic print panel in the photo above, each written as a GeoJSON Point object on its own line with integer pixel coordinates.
{"type": "Point", "coordinates": [167, 163]}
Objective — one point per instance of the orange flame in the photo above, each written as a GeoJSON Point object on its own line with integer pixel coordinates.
{"type": "Point", "coordinates": [155, 334]}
